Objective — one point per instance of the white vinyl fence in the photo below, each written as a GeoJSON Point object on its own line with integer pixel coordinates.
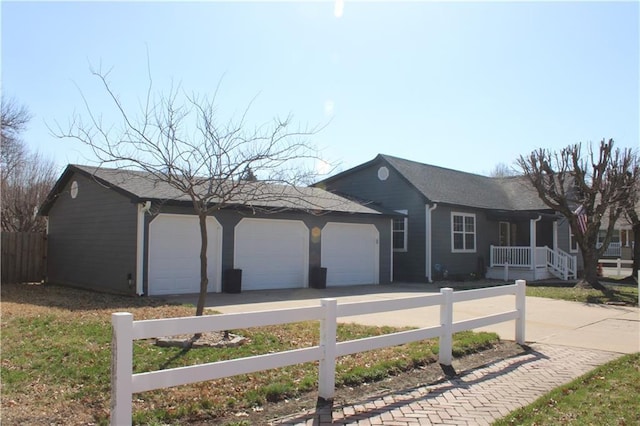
{"type": "Point", "coordinates": [125, 330]}
{"type": "Point", "coordinates": [618, 264]}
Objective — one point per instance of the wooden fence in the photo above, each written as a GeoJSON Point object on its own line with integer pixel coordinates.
{"type": "Point", "coordinates": [23, 257]}
{"type": "Point", "coordinates": [125, 330]}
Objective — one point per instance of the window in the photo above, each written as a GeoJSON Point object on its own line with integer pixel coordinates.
{"type": "Point", "coordinates": [463, 232]}
{"type": "Point", "coordinates": [573, 243]}
{"type": "Point", "coordinates": [400, 233]}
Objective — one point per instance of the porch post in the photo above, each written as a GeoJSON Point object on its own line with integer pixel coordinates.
{"type": "Point", "coordinates": [532, 243]}
{"type": "Point", "coordinates": [555, 235]}
{"type": "Point", "coordinates": [428, 256]}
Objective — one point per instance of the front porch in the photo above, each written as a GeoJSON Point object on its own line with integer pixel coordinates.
{"type": "Point", "coordinates": [528, 263]}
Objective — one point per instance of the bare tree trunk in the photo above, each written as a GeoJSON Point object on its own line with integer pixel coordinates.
{"type": "Point", "coordinates": [636, 247]}
{"type": "Point", "coordinates": [204, 279]}
{"type": "Point", "coordinates": [590, 279]}
{"type": "Point", "coordinates": [635, 228]}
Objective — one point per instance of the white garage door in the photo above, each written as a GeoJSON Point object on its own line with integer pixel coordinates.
{"type": "Point", "coordinates": [350, 252]}
{"type": "Point", "coordinates": [174, 254]}
{"type": "Point", "coordinates": [272, 253]}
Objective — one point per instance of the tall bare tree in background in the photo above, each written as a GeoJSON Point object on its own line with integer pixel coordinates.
{"type": "Point", "coordinates": [182, 141]}
{"type": "Point", "coordinates": [585, 187]}
{"type": "Point", "coordinates": [27, 177]}
{"type": "Point", "coordinates": [503, 170]}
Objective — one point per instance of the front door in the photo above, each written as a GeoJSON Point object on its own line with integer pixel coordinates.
{"type": "Point", "coordinates": [504, 237]}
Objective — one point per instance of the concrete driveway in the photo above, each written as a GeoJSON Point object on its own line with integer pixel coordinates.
{"type": "Point", "coordinates": [603, 327]}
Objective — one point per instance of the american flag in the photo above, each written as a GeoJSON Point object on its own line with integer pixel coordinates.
{"type": "Point", "coordinates": [581, 215]}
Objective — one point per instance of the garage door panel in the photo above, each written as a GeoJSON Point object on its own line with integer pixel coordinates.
{"type": "Point", "coordinates": [272, 253]}
{"type": "Point", "coordinates": [350, 252]}
{"type": "Point", "coordinates": [174, 254]}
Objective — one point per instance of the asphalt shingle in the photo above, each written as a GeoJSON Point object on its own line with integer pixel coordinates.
{"type": "Point", "coordinates": [442, 185]}
{"type": "Point", "coordinates": [144, 186]}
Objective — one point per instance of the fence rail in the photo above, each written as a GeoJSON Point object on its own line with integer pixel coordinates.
{"type": "Point", "coordinates": [618, 264]}
{"type": "Point", "coordinates": [125, 330]}
{"type": "Point", "coordinates": [23, 257]}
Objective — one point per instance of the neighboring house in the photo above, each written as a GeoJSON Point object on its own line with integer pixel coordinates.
{"type": "Point", "coordinates": [120, 231]}
{"type": "Point", "coordinates": [459, 224]}
{"type": "Point", "coordinates": [621, 242]}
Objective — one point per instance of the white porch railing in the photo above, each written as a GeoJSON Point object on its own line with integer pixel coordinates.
{"type": "Point", "coordinates": [614, 249]}
{"type": "Point", "coordinates": [510, 255]}
{"type": "Point", "coordinates": [125, 330]}
{"type": "Point", "coordinates": [558, 262]}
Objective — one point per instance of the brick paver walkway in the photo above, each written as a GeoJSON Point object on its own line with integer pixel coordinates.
{"type": "Point", "coordinates": [476, 398]}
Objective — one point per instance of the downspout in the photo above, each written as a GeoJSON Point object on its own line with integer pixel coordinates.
{"type": "Point", "coordinates": [391, 264]}
{"type": "Point", "coordinates": [142, 209]}
{"type": "Point", "coordinates": [532, 231]}
{"type": "Point", "coordinates": [428, 257]}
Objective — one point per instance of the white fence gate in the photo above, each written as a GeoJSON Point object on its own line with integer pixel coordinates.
{"type": "Point", "coordinates": [125, 330]}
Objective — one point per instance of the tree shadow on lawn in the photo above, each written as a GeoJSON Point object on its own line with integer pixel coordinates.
{"type": "Point", "coordinates": [614, 297]}
{"type": "Point", "coordinates": [77, 299]}
{"type": "Point", "coordinates": [74, 299]}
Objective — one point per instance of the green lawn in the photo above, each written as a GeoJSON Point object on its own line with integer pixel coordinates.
{"type": "Point", "coordinates": [56, 348]}
{"type": "Point", "coordinates": [627, 294]}
{"type": "Point", "coordinates": [608, 395]}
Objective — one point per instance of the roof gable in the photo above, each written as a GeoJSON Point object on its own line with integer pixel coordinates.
{"type": "Point", "coordinates": [448, 186]}
{"type": "Point", "coordinates": [142, 186]}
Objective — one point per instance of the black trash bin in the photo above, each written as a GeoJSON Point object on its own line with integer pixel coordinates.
{"type": "Point", "coordinates": [318, 278]}
{"type": "Point", "coordinates": [232, 281]}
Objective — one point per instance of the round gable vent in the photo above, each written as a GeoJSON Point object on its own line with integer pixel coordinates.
{"type": "Point", "coordinates": [383, 173]}
{"type": "Point", "coordinates": [74, 189]}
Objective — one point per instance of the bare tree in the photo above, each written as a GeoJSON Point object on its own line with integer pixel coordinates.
{"type": "Point", "coordinates": [585, 187]}
{"type": "Point", "coordinates": [180, 140]}
{"type": "Point", "coordinates": [502, 170]}
{"type": "Point", "coordinates": [13, 120]}
{"type": "Point", "coordinates": [26, 177]}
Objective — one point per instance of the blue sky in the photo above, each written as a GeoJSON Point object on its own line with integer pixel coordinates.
{"type": "Point", "coordinates": [459, 85]}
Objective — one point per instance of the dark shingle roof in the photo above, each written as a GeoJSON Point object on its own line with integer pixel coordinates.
{"type": "Point", "coordinates": [143, 186]}
{"type": "Point", "coordinates": [442, 185]}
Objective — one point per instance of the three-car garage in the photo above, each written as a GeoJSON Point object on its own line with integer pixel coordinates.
{"type": "Point", "coordinates": [126, 232]}
{"type": "Point", "coordinates": [271, 253]}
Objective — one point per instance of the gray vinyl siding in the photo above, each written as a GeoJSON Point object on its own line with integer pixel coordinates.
{"type": "Point", "coordinates": [457, 263]}
{"type": "Point", "coordinates": [230, 218]}
{"type": "Point", "coordinates": [563, 242]}
{"type": "Point", "coordinates": [392, 194]}
{"type": "Point", "coordinates": [92, 238]}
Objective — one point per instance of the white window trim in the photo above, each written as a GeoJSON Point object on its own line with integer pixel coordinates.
{"type": "Point", "coordinates": [404, 249]}
{"type": "Point", "coordinates": [475, 232]}
{"type": "Point", "coordinates": [572, 237]}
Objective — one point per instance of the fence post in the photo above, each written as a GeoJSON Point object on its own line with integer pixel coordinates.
{"type": "Point", "coordinates": [446, 326]}
{"type": "Point", "coordinates": [327, 368]}
{"type": "Point", "coordinates": [121, 368]}
{"type": "Point", "coordinates": [521, 297]}
{"type": "Point", "coordinates": [619, 265]}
